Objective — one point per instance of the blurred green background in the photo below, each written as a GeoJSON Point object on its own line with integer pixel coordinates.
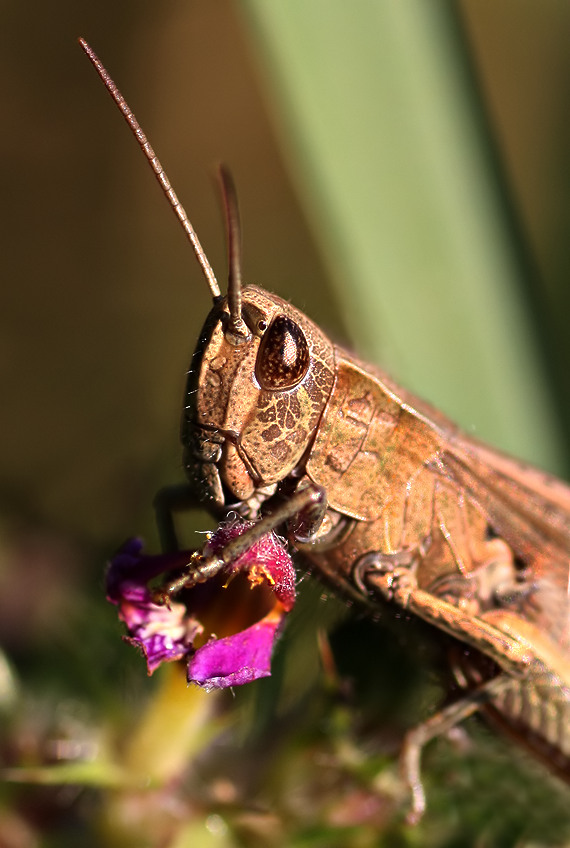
{"type": "Point", "coordinates": [403, 174]}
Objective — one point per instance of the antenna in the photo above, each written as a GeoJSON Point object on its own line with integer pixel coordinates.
{"type": "Point", "coordinates": [236, 330]}
{"type": "Point", "coordinates": [159, 171]}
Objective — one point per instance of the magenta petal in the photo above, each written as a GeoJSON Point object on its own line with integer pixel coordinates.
{"type": "Point", "coordinates": [130, 570]}
{"type": "Point", "coordinates": [234, 660]}
{"type": "Point", "coordinates": [166, 632]}
{"type": "Point", "coordinates": [165, 635]}
{"type": "Point", "coordinates": [268, 555]}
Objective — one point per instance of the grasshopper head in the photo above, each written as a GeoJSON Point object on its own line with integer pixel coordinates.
{"type": "Point", "coordinates": [253, 401]}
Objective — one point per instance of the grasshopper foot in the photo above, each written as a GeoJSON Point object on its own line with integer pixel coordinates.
{"type": "Point", "coordinates": [410, 770]}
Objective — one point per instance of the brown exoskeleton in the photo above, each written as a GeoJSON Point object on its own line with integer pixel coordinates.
{"type": "Point", "coordinates": [385, 497]}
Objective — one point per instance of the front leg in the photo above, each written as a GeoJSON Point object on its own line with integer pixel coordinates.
{"type": "Point", "coordinates": [437, 725]}
{"type": "Point", "coordinates": [398, 584]}
{"type": "Point", "coordinates": [514, 656]}
{"type": "Point", "coordinates": [303, 508]}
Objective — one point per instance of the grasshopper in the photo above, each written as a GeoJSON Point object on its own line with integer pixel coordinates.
{"type": "Point", "coordinates": [386, 498]}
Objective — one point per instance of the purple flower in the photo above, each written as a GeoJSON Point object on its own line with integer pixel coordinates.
{"type": "Point", "coordinates": [224, 628]}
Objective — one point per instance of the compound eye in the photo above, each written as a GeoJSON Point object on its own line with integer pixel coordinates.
{"type": "Point", "coordinates": [283, 356]}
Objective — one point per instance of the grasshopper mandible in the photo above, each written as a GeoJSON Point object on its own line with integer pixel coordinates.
{"type": "Point", "coordinates": [385, 497]}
